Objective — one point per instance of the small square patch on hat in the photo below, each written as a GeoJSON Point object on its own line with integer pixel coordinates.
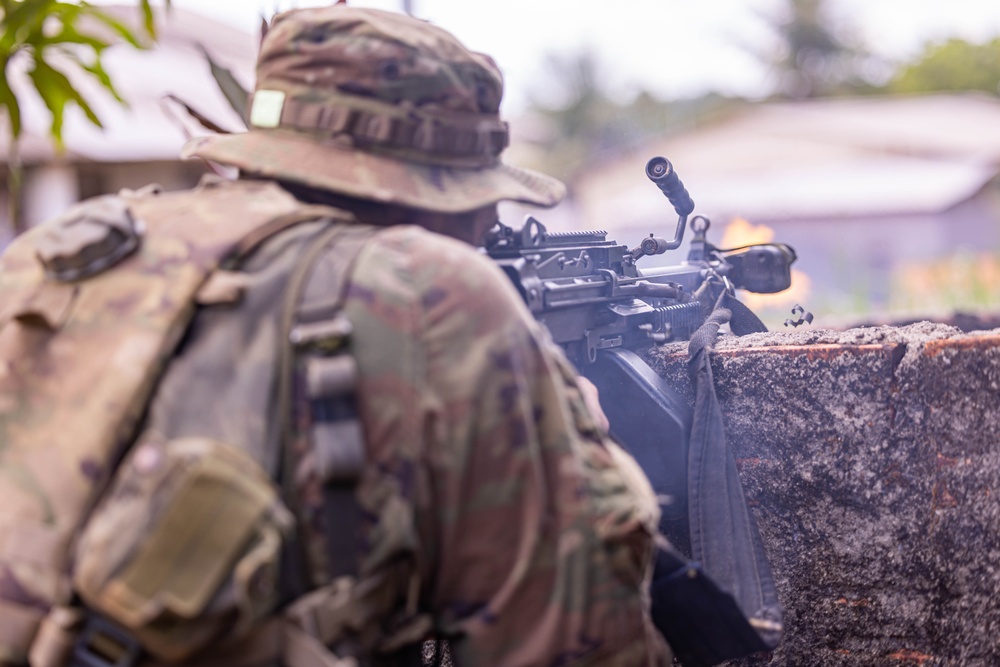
{"type": "Point", "coordinates": [266, 110]}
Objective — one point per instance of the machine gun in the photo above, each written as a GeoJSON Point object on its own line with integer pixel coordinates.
{"type": "Point", "coordinates": [591, 295]}
{"type": "Point", "coordinates": [601, 308]}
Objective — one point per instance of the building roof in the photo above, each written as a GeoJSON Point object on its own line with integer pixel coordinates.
{"type": "Point", "coordinates": [816, 159]}
{"type": "Point", "coordinates": [147, 130]}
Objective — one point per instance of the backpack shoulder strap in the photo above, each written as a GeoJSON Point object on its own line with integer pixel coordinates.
{"type": "Point", "coordinates": [317, 340]}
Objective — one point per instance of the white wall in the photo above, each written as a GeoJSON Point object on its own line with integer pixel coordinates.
{"type": "Point", "coordinates": [48, 191]}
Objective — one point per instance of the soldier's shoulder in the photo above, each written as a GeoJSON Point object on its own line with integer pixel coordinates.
{"type": "Point", "coordinates": [436, 274]}
{"type": "Point", "coordinates": [423, 244]}
{"type": "Point", "coordinates": [432, 259]}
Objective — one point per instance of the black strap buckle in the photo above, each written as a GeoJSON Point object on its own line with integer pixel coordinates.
{"type": "Point", "coordinates": [104, 644]}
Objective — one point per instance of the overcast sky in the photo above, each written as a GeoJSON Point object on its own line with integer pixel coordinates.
{"type": "Point", "coordinates": [672, 47]}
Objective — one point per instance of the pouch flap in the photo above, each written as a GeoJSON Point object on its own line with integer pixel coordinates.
{"type": "Point", "coordinates": [193, 547]}
{"type": "Point", "coordinates": [89, 238]}
{"type": "Point", "coordinates": [170, 533]}
{"type": "Point", "coordinates": [45, 306]}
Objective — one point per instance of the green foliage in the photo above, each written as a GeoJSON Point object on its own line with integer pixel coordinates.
{"type": "Point", "coordinates": [583, 123]}
{"type": "Point", "coordinates": [814, 56]}
{"type": "Point", "coordinates": [33, 31]}
{"type": "Point", "coordinates": [953, 65]}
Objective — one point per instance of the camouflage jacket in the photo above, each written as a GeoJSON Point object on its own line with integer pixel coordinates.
{"type": "Point", "coordinates": [517, 528]}
{"type": "Point", "coordinates": [532, 540]}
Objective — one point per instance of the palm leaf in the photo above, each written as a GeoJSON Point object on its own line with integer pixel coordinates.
{"type": "Point", "coordinates": [21, 20]}
{"type": "Point", "coordinates": [148, 19]}
{"type": "Point", "coordinates": [27, 26]}
{"type": "Point", "coordinates": [95, 69]}
{"type": "Point", "coordinates": [115, 25]}
{"type": "Point", "coordinates": [202, 119]}
{"type": "Point", "coordinates": [56, 91]}
{"type": "Point", "coordinates": [234, 92]}
{"type": "Point", "coordinates": [9, 102]}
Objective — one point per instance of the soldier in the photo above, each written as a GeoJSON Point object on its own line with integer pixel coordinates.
{"type": "Point", "coordinates": [491, 508]}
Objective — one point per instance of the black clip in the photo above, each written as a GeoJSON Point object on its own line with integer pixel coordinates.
{"type": "Point", "coordinates": [805, 317]}
{"type": "Point", "coordinates": [104, 644]}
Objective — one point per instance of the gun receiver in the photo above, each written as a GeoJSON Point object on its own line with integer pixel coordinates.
{"type": "Point", "coordinates": [591, 295]}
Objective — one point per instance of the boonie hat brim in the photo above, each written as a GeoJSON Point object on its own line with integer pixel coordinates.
{"type": "Point", "coordinates": [327, 165]}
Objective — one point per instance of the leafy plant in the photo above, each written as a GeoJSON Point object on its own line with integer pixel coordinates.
{"type": "Point", "coordinates": [229, 86]}
{"type": "Point", "coordinates": [952, 65]}
{"type": "Point", "coordinates": [32, 32]}
{"type": "Point", "coordinates": [814, 54]}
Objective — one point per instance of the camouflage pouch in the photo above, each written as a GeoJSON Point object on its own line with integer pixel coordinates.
{"type": "Point", "coordinates": [184, 548]}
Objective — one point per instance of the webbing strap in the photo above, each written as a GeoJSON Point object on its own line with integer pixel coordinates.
{"type": "Point", "coordinates": [305, 213]}
{"type": "Point", "coordinates": [724, 533]}
{"type": "Point", "coordinates": [349, 242]}
{"type": "Point", "coordinates": [345, 242]}
{"type": "Point", "coordinates": [742, 320]}
{"type": "Point", "coordinates": [292, 640]}
{"type": "Point", "coordinates": [286, 359]}
{"type": "Point", "coordinates": [342, 545]}
{"type": "Point", "coordinates": [439, 139]}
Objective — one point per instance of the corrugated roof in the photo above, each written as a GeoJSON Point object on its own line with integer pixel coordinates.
{"type": "Point", "coordinates": [145, 131]}
{"type": "Point", "coordinates": [817, 159]}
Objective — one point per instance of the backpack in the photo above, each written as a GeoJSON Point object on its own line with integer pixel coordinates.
{"type": "Point", "coordinates": [135, 480]}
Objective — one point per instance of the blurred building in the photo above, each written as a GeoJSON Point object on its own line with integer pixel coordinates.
{"type": "Point", "coordinates": [139, 144]}
{"type": "Point", "coordinates": [893, 203]}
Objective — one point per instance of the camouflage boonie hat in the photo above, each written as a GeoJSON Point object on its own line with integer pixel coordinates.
{"type": "Point", "coordinates": [379, 106]}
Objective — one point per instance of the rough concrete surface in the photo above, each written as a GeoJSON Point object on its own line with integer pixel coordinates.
{"type": "Point", "coordinates": [872, 460]}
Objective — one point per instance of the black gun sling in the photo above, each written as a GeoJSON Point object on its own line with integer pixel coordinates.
{"type": "Point", "coordinates": [723, 605]}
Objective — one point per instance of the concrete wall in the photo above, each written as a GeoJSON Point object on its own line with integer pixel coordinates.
{"type": "Point", "coordinates": [872, 460]}
{"type": "Point", "coordinates": [48, 191]}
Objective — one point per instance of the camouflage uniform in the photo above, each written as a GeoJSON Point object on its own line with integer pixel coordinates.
{"type": "Point", "coordinates": [496, 513]}
{"type": "Point", "coordinates": [530, 544]}
{"type": "Point", "coordinates": [531, 535]}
